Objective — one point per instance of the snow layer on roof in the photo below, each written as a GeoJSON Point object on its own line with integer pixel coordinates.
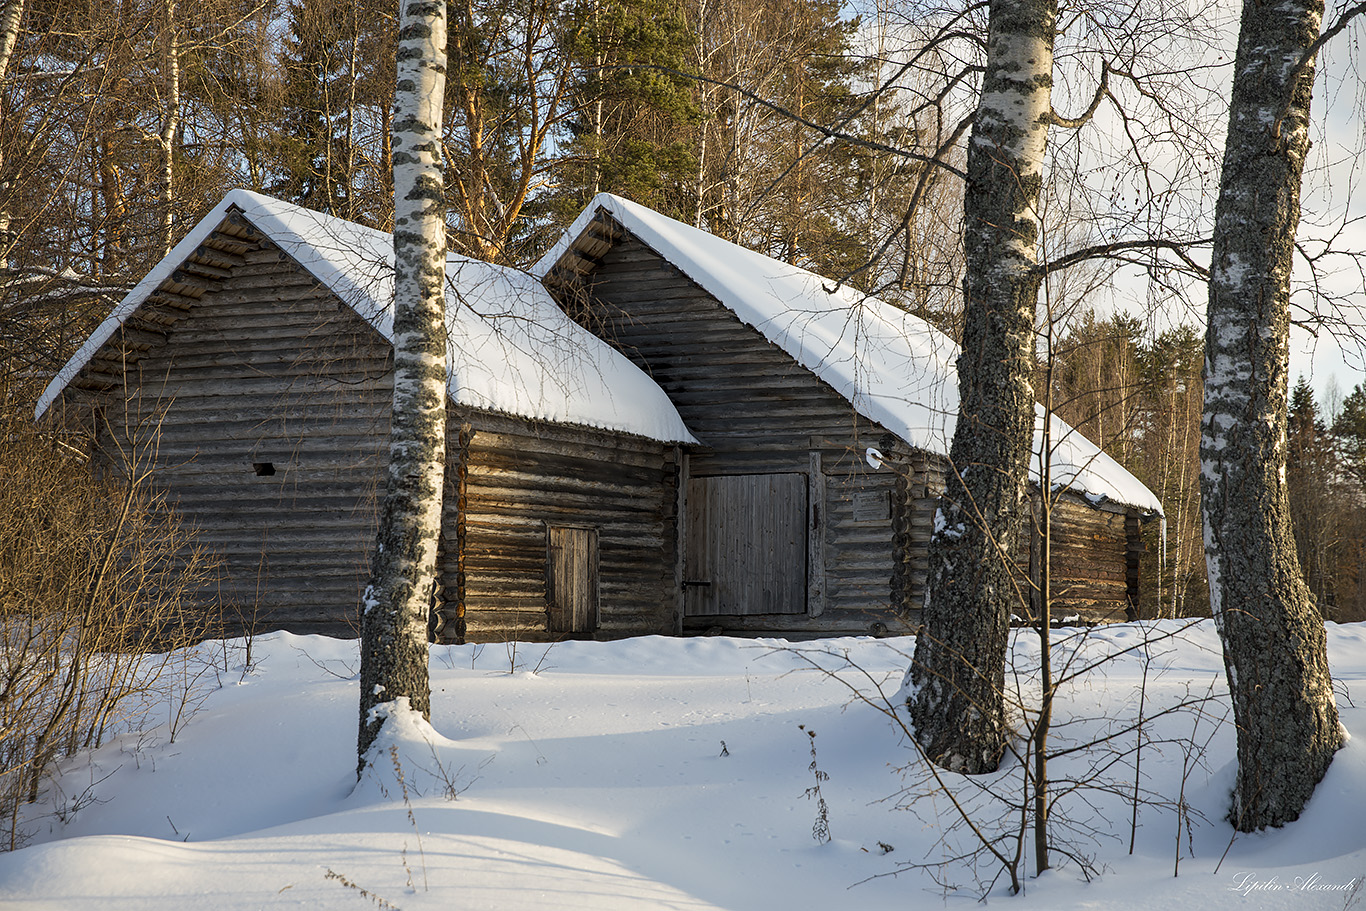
{"type": "Point", "coordinates": [514, 350]}
{"type": "Point", "coordinates": [893, 368]}
{"type": "Point", "coordinates": [511, 347]}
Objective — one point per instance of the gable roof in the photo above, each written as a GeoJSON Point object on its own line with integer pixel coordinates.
{"type": "Point", "coordinates": [511, 348]}
{"type": "Point", "coordinates": [892, 367]}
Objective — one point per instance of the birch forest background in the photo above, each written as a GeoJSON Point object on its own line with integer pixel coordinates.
{"type": "Point", "coordinates": [824, 135]}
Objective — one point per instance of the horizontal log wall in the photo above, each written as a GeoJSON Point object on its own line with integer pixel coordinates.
{"type": "Point", "coordinates": [1090, 565]}
{"type": "Point", "coordinates": [752, 406]}
{"type": "Point", "coordinates": [516, 479]}
{"type": "Point", "coordinates": [919, 484]}
{"type": "Point", "coordinates": [273, 370]}
{"type": "Point", "coordinates": [265, 415]}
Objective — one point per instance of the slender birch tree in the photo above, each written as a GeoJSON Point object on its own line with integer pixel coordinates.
{"type": "Point", "coordinates": [1274, 645]}
{"type": "Point", "coordinates": [403, 572]}
{"type": "Point", "coordinates": [957, 674]}
{"type": "Point", "coordinates": [11, 14]}
{"type": "Point", "coordinates": [167, 136]}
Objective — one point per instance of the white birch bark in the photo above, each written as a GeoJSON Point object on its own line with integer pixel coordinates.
{"type": "Point", "coordinates": [352, 107]}
{"type": "Point", "coordinates": [170, 126]}
{"type": "Point", "coordinates": [403, 572]}
{"type": "Point", "coordinates": [1274, 648]}
{"type": "Point", "coordinates": [10, 16]}
{"type": "Point", "coordinates": [956, 693]}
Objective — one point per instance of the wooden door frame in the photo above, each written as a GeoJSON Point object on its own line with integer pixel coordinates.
{"type": "Point", "coordinates": [681, 536]}
{"type": "Point", "coordinates": [815, 534]}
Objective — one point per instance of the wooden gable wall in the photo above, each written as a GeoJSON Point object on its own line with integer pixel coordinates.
{"type": "Point", "coordinates": [1095, 560]}
{"type": "Point", "coordinates": [263, 413]}
{"type": "Point", "coordinates": [758, 412]}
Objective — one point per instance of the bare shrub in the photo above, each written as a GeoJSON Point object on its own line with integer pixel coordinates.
{"type": "Point", "coordinates": [93, 576]}
{"type": "Point", "coordinates": [1067, 780]}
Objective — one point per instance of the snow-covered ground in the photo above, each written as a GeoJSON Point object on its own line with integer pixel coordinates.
{"type": "Point", "coordinates": [672, 774]}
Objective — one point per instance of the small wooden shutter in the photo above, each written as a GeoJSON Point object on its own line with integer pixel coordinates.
{"type": "Point", "coordinates": [571, 579]}
{"type": "Point", "coordinates": [746, 551]}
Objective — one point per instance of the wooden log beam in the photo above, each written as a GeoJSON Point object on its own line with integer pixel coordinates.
{"type": "Point", "coordinates": [171, 298]}
{"type": "Point", "coordinates": [213, 253]}
{"type": "Point", "coordinates": [142, 334]}
{"type": "Point", "coordinates": [240, 221]}
{"type": "Point", "coordinates": [182, 277]}
{"type": "Point", "coordinates": [195, 266]}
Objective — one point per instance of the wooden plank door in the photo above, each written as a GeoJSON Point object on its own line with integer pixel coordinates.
{"type": "Point", "coordinates": [746, 545]}
{"type": "Point", "coordinates": [571, 579]}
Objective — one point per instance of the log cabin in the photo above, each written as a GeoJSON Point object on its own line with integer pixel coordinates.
{"type": "Point", "coordinates": [824, 418]}
{"type": "Point", "coordinates": [250, 373]}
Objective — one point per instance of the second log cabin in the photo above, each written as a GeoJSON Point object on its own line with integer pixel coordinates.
{"type": "Point", "coordinates": [824, 418]}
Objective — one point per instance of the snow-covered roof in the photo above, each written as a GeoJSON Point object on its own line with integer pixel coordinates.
{"type": "Point", "coordinates": [893, 368]}
{"type": "Point", "coordinates": [512, 349]}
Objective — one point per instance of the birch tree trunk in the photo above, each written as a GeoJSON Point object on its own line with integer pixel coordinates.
{"type": "Point", "coordinates": [403, 572]}
{"type": "Point", "coordinates": [1274, 649]}
{"type": "Point", "coordinates": [11, 14]}
{"type": "Point", "coordinates": [170, 126]}
{"type": "Point", "coordinates": [957, 675]}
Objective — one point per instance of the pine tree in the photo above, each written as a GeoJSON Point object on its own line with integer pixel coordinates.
{"type": "Point", "coordinates": [765, 180]}
{"type": "Point", "coordinates": [1349, 439]}
{"type": "Point", "coordinates": [632, 129]}
{"type": "Point", "coordinates": [1168, 462]}
{"type": "Point", "coordinates": [1349, 428]}
{"type": "Point", "coordinates": [328, 151]}
{"type": "Point", "coordinates": [1096, 381]}
{"type": "Point", "coordinates": [1311, 479]}
{"type": "Point", "coordinates": [508, 98]}
{"type": "Point", "coordinates": [810, 191]}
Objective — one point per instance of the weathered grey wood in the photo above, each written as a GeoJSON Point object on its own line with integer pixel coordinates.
{"type": "Point", "coordinates": [520, 477]}
{"type": "Point", "coordinates": [166, 297]}
{"type": "Point", "coordinates": [1133, 534]}
{"type": "Point", "coordinates": [181, 280]}
{"type": "Point", "coordinates": [859, 554]}
{"type": "Point", "coordinates": [742, 395]}
{"type": "Point", "coordinates": [217, 254]}
{"type": "Point", "coordinates": [572, 578]}
{"type": "Point", "coordinates": [871, 507]}
{"type": "Point", "coordinates": [291, 547]}
{"type": "Point", "coordinates": [757, 411]}
{"type": "Point", "coordinates": [816, 525]}
{"type": "Point", "coordinates": [198, 267]}
{"type": "Point", "coordinates": [142, 333]}
{"type": "Point", "coordinates": [680, 525]}
{"type": "Point", "coordinates": [747, 545]}
{"type": "Point", "coordinates": [746, 399]}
